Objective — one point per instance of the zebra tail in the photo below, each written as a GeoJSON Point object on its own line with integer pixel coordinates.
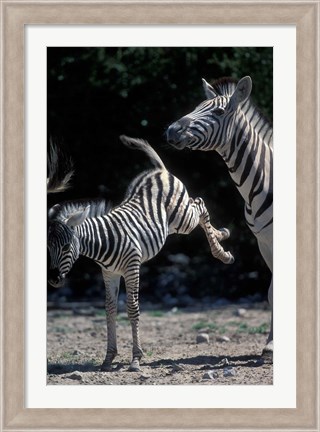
{"type": "Point", "coordinates": [139, 144]}
{"type": "Point", "coordinates": [60, 170]}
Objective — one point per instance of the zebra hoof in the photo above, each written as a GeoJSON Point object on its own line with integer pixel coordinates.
{"type": "Point", "coordinates": [106, 367]}
{"type": "Point", "coordinates": [267, 353]}
{"type": "Point", "coordinates": [227, 258]}
{"type": "Point", "coordinates": [231, 258]}
{"type": "Point", "coordinates": [135, 366]}
{"type": "Point", "coordinates": [225, 233]}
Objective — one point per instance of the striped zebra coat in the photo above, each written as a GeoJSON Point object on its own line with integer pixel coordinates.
{"type": "Point", "coordinates": [119, 240]}
{"type": "Point", "coordinates": [230, 124]}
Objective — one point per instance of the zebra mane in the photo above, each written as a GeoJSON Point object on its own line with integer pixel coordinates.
{"type": "Point", "coordinates": [258, 120]}
{"type": "Point", "coordinates": [62, 211]}
{"type": "Point", "coordinates": [224, 86]}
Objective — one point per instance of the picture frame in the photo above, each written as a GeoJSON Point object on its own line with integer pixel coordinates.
{"type": "Point", "coordinates": [15, 15]}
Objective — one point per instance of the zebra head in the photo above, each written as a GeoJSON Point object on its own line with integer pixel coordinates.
{"type": "Point", "coordinates": [211, 124]}
{"type": "Point", "coordinates": [63, 244]}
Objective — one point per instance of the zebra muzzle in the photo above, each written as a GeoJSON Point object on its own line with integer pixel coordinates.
{"type": "Point", "coordinates": [177, 136]}
{"type": "Point", "coordinates": [58, 281]}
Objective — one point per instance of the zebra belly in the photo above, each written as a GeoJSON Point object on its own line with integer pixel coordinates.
{"type": "Point", "coordinates": [136, 248]}
{"type": "Point", "coordinates": [262, 228]}
{"type": "Point", "coordinates": [259, 223]}
{"type": "Point", "coordinates": [150, 249]}
{"type": "Point", "coordinates": [265, 243]}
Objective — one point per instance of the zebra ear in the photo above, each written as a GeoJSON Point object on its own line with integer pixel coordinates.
{"type": "Point", "coordinates": [78, 217]}
{"type": "Point", "coordinates": [242, 91]}
{"type": "Point", "coordinates": [52, 213]}
{"type": "Point", "coordinates": [208, 89]}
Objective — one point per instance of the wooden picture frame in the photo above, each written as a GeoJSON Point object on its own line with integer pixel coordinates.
{"type": "Point", "coordinates": [15, 15]}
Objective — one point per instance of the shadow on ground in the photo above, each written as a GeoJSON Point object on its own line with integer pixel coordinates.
{"type": "Point", "coordinates": [60, 369]}
{"type": "Point", "coordinates": [206, 362]}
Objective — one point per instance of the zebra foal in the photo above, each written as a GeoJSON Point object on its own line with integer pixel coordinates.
{"type": "Point", "coordinates": [119, 240]}
{"type": "Point", "coordinates": [230, 124]}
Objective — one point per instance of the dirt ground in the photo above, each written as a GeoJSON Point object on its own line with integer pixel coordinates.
{"type": "Point", "coordinates": [220, 345]}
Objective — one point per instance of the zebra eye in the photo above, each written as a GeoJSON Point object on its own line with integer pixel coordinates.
{"type": "Point", "coordinates": [66, 248]}
{"type": "Point", "coordinates": [218, 111]}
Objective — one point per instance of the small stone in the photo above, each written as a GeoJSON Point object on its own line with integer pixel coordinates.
{"type": "Point", "coordinates": [229, 371]}
{"type": "Point", "coordinates": [203, 338]}
{"type": "Point", "coordinates": [241, 312]}
{"type": "Point", "coordinates": [223, 339]}
{"type": "Point", "coordinates": [75, 376]}
{"type": "Point", "coordinates": [210, 375]}
{"type": "Point", "coordinates": [144, 377]}
{"type": "Point", "coordinates": [90, 311]}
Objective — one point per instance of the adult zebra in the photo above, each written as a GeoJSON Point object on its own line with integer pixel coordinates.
{"type": "Point", "coordinates": [230, 124]}
{"type": "Point", "coordinates": [121, 239]}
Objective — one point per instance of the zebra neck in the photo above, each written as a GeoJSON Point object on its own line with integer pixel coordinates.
{"type": "Point", "coordinates": [93, 238]}
{"type": "Point", "coordinates": [249, 161]}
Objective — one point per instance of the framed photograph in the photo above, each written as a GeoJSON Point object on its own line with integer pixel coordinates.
{"type": "Point", "coordinates": [34, 35]}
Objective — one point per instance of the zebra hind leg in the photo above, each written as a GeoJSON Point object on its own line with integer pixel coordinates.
{"type": "Point", "coordinates": [214, 236]}
{"type": "Point", "coordinates": [112, 290]}
{"type": "Point", "coordinates": [132, 287]}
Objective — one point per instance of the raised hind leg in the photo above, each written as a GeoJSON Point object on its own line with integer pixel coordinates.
{"type": "Point", "coordinates": [111, 282]}
{"type": "Point", "coordinates": [193, 213]}
{"type": "Point", "coordinates": [214, 236]}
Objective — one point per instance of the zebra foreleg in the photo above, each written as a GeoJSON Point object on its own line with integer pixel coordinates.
{"type": "Point", "coordinates": [267, 352]}
{"type": "Point", "coordinates": [266, 249]}
{"type": "Point", "coordinates": [111, 282]}
{"type": "Point", "coordinates": [213, 235]}
{"type": "Point", "coordinates": [132, 287]}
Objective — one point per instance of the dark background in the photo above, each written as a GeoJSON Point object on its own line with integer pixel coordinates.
{"type": "Point", "coordinates": [97, 94]}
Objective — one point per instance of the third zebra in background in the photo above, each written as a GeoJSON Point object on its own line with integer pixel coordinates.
{"type": "Point", "coordinates": [229, 123]}
{"type": "Point", "coordinates": [120, 239]}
